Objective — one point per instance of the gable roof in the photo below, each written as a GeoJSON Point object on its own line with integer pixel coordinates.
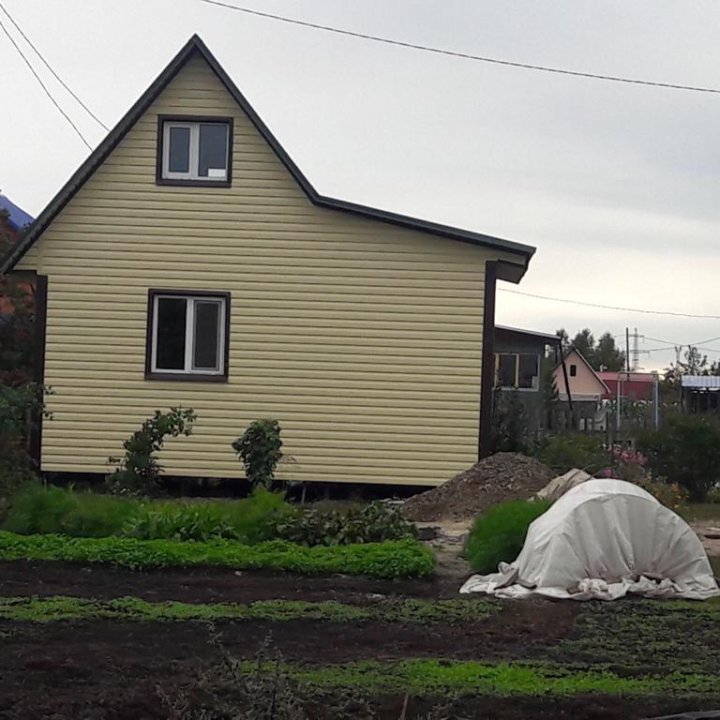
{"type": "Point", "coordinates": [575, 351]}
{"type": "Point", "coordinates": [195, 46]}
{"type": "Point", "coordinates": [17, 217]}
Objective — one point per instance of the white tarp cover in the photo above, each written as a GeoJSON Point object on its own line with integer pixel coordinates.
{"type": "Point", "coordinates": [604, 539]}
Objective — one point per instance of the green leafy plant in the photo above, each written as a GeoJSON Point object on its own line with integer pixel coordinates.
{"type": "Point", "coordinates": [138, 473]}
{"type": "Point", "coordinates": [418, 612]}
{"type": "Point", "coordinates": [375, 522]}
{"type": "Point", "coordinates": [573, 450]}
{"type": "Point", "coordinates": [37, 509]}
{"type": "Point", "coordinates": [498, 534]}
{"type": "Point", "coordinates": [250, 521]}
{"type": "Point", "coordinates": [685, 450]}
{"type": "Point", "coordinates": [20, 407]}
{"type": "Point", "coordinates": [260, 449]}
{"type": "Point", "coordinates": [388, 560]}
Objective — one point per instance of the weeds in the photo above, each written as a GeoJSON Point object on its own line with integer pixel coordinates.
{"type": "Point", "coordinates": [57, 609]}
{"type": "Point", "coordinates": [389, 560]}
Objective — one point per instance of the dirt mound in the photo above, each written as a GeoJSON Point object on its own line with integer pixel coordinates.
{"type": "Point", "coordinates": [505, 476]}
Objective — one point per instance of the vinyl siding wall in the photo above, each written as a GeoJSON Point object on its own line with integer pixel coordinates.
{"type": "Point", "coordinates": [363, 339]}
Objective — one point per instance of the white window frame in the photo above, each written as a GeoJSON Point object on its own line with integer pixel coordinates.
{"type": "Point", "coordinates": [194, 159]}
{"type": "Point", "coordinates": [190, 318]}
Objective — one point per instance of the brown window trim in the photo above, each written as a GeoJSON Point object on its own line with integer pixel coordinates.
{"type": "Point", "coordinates": [160, 180]}
{"type": "Point", "coordinates": [186, 377]}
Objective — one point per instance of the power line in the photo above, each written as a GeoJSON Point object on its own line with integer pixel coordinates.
{"type": "Point", "coordinates": [674, 343]}
{"type": "Point", "coordinates": [50, 68]}
{"type": "Point", "coordinates": [466, 56]}
{"type": "Point", "coordinates": [611, 307]}
{"type": "Point", "coordinates": [43, 86]}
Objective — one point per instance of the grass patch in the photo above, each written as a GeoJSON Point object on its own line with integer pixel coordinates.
{"type": "Point", "coordinates": [440, 678]}
{"type": "Point", "coordinates": [39, 509]}
{"type": "Point", "coordinates": [57, 609]}
{"type": "Point", "coordinates": [388, 560]}
{"type": "Point", "coordinates": [498, 534]}
{"type": "Point", "coordinates": [700, 512]}
{"type": "Point", "coordinates": [647, 636]}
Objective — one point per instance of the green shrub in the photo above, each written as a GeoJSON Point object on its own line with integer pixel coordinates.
{"type": "Point", "coordinates": [389, 560]}
{"type": "Point", "coordinates": [499, 533]}
{"type": "Point", "coordinates": [40, 510]}
{"type": "Point", "coordinates": [138, 473]}
{"type": "Point", "coordinates": [685, 450]}
{"type": "Point", "coordinates": [250, 521]}
{"type": "Point", "coordinates": [573, 450]}
{"type": "Point", "coordinates": [20, 406]}
{"type": "Point", "coordinates": [260, 449]}
{"type": "Point", "coordinates": [375, 522]}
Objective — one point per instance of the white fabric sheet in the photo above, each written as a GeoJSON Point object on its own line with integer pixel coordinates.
{"type": "Point", "coordinates": [602, 540]}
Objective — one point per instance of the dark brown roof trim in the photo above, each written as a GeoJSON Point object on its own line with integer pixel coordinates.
{"type": "Point", "coordinates": [196, 45]}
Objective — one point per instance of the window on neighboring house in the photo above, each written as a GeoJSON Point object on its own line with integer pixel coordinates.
{"type": "Point", "coordinates": [187, 335]}
{"type": "Point", "coordinates": [517, 370]}
{"type": "Point", "coordinates": [194, 151]}
{"type": "Point", "coordinates": [573, 370]}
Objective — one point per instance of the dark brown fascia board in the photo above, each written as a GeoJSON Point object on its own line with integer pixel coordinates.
{"type": "Point", "coordinates": [513, 272]}
{"type": "Point", "coordinates": [487, 373]}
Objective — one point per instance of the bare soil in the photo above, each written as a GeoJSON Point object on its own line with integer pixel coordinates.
{"type": "Point", "coordinates": [204, 585]}
{"type": "Point", "coordinates": [111, 670]}
{"type": "Point", "coordinates": [504, 476]}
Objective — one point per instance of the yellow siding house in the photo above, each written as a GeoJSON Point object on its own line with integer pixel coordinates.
{"type": "Point", "coordinates": [189, 262]}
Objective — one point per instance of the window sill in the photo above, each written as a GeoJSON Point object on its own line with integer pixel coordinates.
{"type": "Point", "coordinates": [193, 183]}
{"type": "Point", "coordinates": [186, 377]}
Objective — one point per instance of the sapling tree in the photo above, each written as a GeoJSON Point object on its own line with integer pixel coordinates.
{"type": "Point", "coordinates": [260, 449]}
{"type": "Point", "coordinates": [138, 473]}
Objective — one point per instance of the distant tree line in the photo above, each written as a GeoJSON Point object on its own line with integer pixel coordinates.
{"type": "Point", "coordinates": [602, 354]}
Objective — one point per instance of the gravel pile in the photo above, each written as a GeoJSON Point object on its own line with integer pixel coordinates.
{"type": "Point", "coordinates": [505, 476]}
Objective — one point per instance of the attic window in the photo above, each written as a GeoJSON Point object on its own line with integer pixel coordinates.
{"type": "Point", "coordinates": [194, 151]}
{"type": "Point", "coordinates": [573, 370]}
{"type": "Point", "coordinates": [187, 336]}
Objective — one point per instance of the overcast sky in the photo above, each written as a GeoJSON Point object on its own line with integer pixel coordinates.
{"type": "Point", "coordinates": [616, 185]}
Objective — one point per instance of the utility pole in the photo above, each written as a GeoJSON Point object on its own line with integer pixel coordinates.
{"type": "Point", "coordinates": [678, 372]}
{"type": "Point", "coordinates": [627, 349]}
{"type": "Point", "coordinates": [636, 351]}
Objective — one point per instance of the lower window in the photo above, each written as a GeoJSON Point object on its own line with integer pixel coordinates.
{"type": "Point", "coordinates": [187, 335]}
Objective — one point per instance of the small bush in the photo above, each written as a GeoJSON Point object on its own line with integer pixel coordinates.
{"type": "Point", "coordinates": [573, 450]}
{"type": "Point", "coordinates": [671, 495]}
{"type": "Point", "coordinates": [389, 560]}
{"type": "Point", "coordinates": [713, 496]}
{"type": "Point", "coordinates": [685, 450]}
{"type": "Point", "coordinates": [375, 522]}
{"type": "Point", "coordinates": [42, 510]}
{"type": "Point", "coordinates": [260, 449]}
{"type": "Point", "coordinates": [499, 533]}
{"type": "Point", "coordinates": [250, 521]}
{"type": "Point", "coordinates": [38, 509]}
{"type": "Point", "coordinates": [138, 473]}
{"type": "Point", "coordinates": [19, 408]}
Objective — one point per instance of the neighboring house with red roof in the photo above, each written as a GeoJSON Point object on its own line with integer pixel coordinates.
{"type": "Point", "coordinates": [633, 385]}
